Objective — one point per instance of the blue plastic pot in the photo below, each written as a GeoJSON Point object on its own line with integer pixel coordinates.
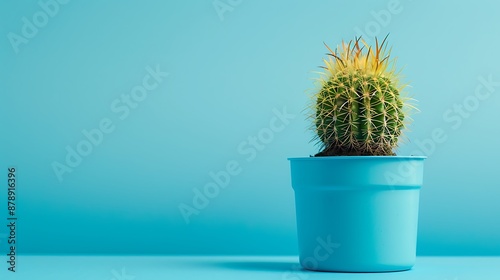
{"type": "Point", "coordinates": [357, 213]}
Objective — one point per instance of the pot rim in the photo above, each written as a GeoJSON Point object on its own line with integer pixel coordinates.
{"type": "Point", "coordinates": [356, 157]}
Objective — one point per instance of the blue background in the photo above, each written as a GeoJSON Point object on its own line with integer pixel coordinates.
{"type": "Point", "coordinates": [228, 74]}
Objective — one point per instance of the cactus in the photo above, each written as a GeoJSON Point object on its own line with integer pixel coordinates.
{"type": "Point", "coordinates": [360, 108]}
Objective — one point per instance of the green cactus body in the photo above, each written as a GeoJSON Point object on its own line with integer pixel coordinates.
{"type": "Point", "coordinates": [359, 109]}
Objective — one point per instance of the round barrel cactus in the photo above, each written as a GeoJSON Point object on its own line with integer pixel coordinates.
{"type": "Point", "coordinates": [360, 108]}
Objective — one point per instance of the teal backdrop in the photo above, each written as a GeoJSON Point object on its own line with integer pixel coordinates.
{"type": "Point", "coordinates": [164, 127]}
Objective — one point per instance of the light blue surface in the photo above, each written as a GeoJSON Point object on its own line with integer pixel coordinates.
{"type": "Point", "coordinates": [232, 78]}
{"type": "Point", "coordinates": [235, 267]}
{"type": "Point", "coordinates": [357, 214]}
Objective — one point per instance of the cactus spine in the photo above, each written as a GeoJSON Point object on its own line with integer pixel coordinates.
{"type": "Point", "coordinates": [360, 108]}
